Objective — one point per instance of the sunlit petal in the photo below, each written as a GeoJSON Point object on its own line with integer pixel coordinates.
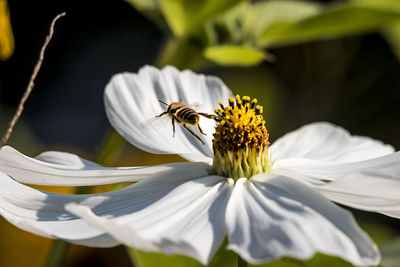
{"type": "Point", "coordinates": [65, 158]}
{"type": "Point", "coordinates": [366, 192]}
{"type": "Point", "coordinates": [171, 216]}
{"type": "Point", "coordinates": [326, 142]}
{"type": "Point", "coordinates": [272, 216]}
{"type": "Point", "coordinates": [132, 100]}
{"type": "Point", "coordinates": [32, 171]}
{"type": "Point", "coordinates": [43, 213]}
{"type": "Point", "coordinates": [386, 166]}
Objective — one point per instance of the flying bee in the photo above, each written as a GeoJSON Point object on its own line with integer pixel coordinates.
{"type": "Point", "coordinates": [185, 115]}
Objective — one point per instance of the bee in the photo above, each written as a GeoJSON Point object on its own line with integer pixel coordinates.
{"type": "Point", "coordinates": [184, 115]}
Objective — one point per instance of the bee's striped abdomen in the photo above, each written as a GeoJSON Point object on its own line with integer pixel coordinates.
{"type": "Point", "coordinates": [187, 115]}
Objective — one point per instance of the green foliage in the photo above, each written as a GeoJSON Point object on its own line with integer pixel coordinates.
{"type": "Point", "coordinates": [246, 23]}
{"type": "Point", "coordinates": [335, 21]}
{"type": "Point", "coordinates": [226, 258]}
{"type": "Point", "coordinates": [233, 32]}
{"type": "Point", "coordinates": [187, 17]}
{"type": "Point", "coordinates": [151, 9]}
{"type": "Point", "coordinates": [234, 55]}
{"type": "Point", "coordinates": [223, 258]}
{"type": "Point", "coordinates": [277, 23]}
{"type": "Point", "coordinates": [234, 38]}
{"type": "Point", "coordinates": [392, 34]}
{"type": "Point", "coordinates": [316, 261]}
{"type": "Point", "coordinates": [390, 253]}
{"type": "Point", "coordinates": [183, 54]}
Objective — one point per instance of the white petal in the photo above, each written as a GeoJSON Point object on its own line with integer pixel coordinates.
{"type": "Point", "coordinates": [327, 142]}
{"type": "Point", "coordinates": [385, 166]}
{"type": "Point", "coordinates": [132, 100]}
{"type": "Point", "coordinates": [365, 192]}
{"type": "Point", "coordinates": [171, 216]}
{"type": "Point", "coordinates": [43, 214]}
{"type": "Point", "coordinates": [32, 171]}
{"type": "Point", "coordinates": [274, 216]}
{"type": "Point", "coordinates": [64, 158]}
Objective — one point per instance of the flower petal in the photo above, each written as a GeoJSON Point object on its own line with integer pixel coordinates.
{"type": "Point", "coordinates": [386, 166]}
{"type": "Point", "coordinates": [272, 216]}
{"type": "Point", "coordinates": [132, 100]}
{"type": "Point", "coordinates": [170, 215]}
{"type": "Point", "coordinates": [326, 142]}
{"type": "Point", "coordinates": [81, 172]}
{"type": "Point", "coordinates": [365, 192]}
{"type": "Point", "coordinates": [64, 158]}
{"type": "Point", "coordinates": [43, 214]}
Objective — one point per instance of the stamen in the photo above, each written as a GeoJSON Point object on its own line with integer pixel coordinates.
{"type": "Point", "coordinates": [229, 109]}
{"type": "Point", "coordinates": [253, 103]}
{"type": "Point", "coordinates": [258, 110]}
{"type": "Point", "coordinates": [240, 140]}
{"type": "Point", "coordinates": [246, 99]}
{"type": "Point", "coordinates": [231, 102]}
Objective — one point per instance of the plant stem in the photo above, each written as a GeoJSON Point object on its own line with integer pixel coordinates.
{"type": "Point", "coordinates": [241, 262]}
{"type": "Point", "coordinates": [31, 83]}
{"type": "Point", "coordinates": [106, 154]}
{"type": "Point", "coordinates": [57, 253]}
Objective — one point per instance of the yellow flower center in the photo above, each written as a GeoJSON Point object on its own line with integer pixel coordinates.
{"type": "Point", "coordinates": [240, 140]}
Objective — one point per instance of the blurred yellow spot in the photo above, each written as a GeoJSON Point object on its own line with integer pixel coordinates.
{"type": "Point", "coordinates": [6, 35]}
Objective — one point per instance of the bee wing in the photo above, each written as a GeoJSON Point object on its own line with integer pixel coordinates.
{"type": "Point", "coordinates": [198, 107]}
{"type": "Point", "coordinates": [202, 110]}
{"type": "Point", "coordinates": [155, 121]}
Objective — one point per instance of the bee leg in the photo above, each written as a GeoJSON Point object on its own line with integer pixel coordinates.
{"type": "Point", "coordinates": [173, 126]}
{"type": "Point", "coordinates": [201, 131]}
{"type": "Point", "coordinates": [207, 115]}
{"type": "Point", "coordinates": [192, 133]}
{"type": "Point", "coordinates": [165, 112]}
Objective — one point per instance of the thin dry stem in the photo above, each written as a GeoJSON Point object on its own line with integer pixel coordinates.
{"type": "Point", "coordinates": [31, 83]}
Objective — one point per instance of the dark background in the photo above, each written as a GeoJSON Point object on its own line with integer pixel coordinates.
{"type": "Point", "coordinates": [90, 44]}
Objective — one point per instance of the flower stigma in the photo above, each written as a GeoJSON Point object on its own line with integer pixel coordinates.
{"type": "Point", "coordinates": [240, 141]}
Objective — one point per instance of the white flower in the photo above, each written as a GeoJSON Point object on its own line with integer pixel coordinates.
{"type": "Point", "coordinates": [185, 208]}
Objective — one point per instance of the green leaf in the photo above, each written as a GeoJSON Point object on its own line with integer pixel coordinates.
{"type": "Point", "coordinates": [151, 9]}
{"type": "Point", "coordinates": [187, 17]}
{"type": "Point", "coordinates": [183, 54]}
{"type": "Point", "coordinates": [144, 5]}
{"type": "Point", "coordinates": [267, 24]}
{"type": "Point", "coordinates": [390, 253]}
{"type": "Point", "coordinates": [392, 34]}
{"type": "Point", "coordinates": [147, 259]}
{"type": "Point", "coordinates": [338, 20]}
{"type": "Point", "coordinates": [263, 15]}
{"type": "Point", "coordinates": [316, 261]}
{"type": "Point", "coordinates": [245, 23]}
{"type": "Point", "coordinates": [393, 5]}
{"type": "Point", "coordinates": [223, 258]}
{"type": "Point", "coordinates": [235, 55]}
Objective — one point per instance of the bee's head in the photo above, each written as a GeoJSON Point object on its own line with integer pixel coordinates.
{"type": "Point", "coordinates": [171, 109]}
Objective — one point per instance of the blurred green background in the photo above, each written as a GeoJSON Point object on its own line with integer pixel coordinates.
{"type": "Point", "coordinates": [305, 61]}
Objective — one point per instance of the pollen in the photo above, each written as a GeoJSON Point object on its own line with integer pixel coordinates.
{"type": "Point", "coordinates": [240, 126]}
{"type": "Point", "coordinates": [240, 141]}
